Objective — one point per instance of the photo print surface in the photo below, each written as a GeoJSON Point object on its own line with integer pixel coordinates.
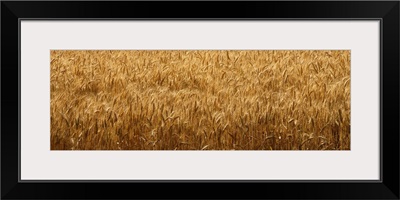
{"type": "Point", "coordinates": [200, 99]}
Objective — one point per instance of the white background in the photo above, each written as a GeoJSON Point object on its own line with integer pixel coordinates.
{"type": "Point", "coordinates": [39, 37]}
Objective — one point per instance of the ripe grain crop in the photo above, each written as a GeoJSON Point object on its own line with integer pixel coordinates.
{"type": "Point", "coordinates": [200, 100]}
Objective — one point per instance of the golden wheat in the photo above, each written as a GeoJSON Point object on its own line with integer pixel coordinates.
{"type": "Point", "coordinates": [200, 100]}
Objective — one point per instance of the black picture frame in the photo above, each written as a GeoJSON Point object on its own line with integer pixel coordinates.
{"type": "Point", "coordinates": [385, 11]}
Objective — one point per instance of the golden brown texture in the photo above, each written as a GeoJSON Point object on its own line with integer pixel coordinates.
{"type": "Point", "coordinates": [200, 100]}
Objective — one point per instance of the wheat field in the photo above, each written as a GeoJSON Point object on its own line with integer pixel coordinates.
{"type": "Point", "coordinates": [200, 100]}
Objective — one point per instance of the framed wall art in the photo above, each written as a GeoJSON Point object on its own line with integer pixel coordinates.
{"type": "Point", "coordinates": [300, 98]}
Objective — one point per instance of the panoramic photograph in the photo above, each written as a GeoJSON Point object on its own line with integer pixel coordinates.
{"type": "Point", "coordinates": [200, 100]}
